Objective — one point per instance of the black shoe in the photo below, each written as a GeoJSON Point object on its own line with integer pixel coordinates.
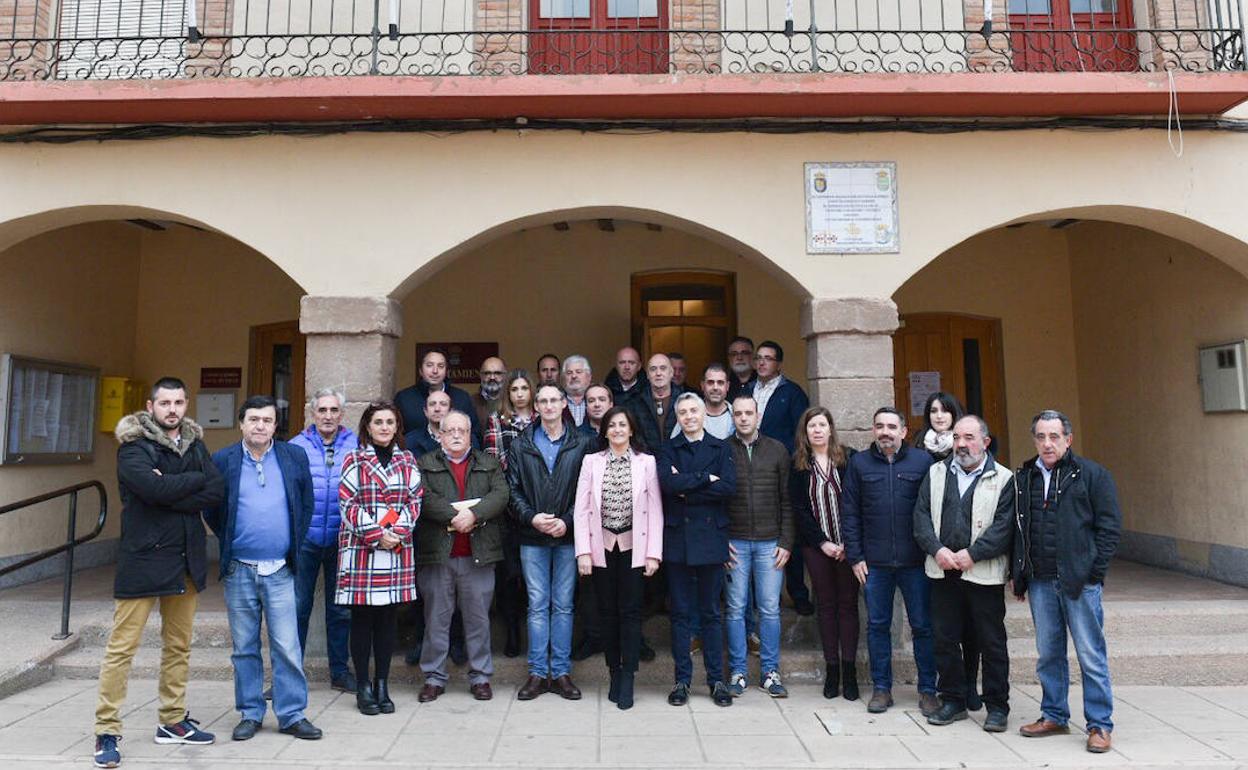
{"type": "Point", "coordinates": [511, 648]}
{"type": "Point", "coordinates": [679, 695]}
{"type": "Point", "coordinates": [849, 680]}
{"type": "Point", "coordinates": [245, 730]}
{"type": "Point", "coordinates": [804, 607]}
{"type": "Point", "coordinates": [344, 683]}
{"type": "Point", "coordinates": [458, 654]}
{"type": "Point", "coordinates": [996, 721]}
{"type": "Point", "coordinates": [613, 690]}
{"type": "Point", "coordinates": [832, 681]}
{"type": "Point", "coordinates": [586, 650]}
{"type": "Point", "coordinates": [625, 701]}
{"type": "Point", "coordinates": [381, 690]}
{"type": "Point", "coordinates": [973, 701]}
{"type": "Point", "coordinates": [948, 713]}
{"type": "Point", "coordinates": [720, 694]}
{"type": "Point", "coordinates": [303, 730]}
{"type": "Point", "coordinates": [645, 652]}
{"type": "Point", "coordinates": [365, 701]}
{"type": "Point", "coordinates": [412, 656]}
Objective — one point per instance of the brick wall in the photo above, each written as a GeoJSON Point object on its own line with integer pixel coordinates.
{"type": "Point", "coordinates": [991, 53]}
{"type": "Point", "coordinates": [695, 51]}
{"type": "Point", "coordinates": [209, 57]}
{"type": "Point", "coordinates": [499, 53]}
{"type": "Point", "coordinates": [21, 22]}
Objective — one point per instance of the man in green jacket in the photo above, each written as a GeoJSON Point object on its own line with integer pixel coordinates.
{"type": "Point", "coordinates": [459, 541]}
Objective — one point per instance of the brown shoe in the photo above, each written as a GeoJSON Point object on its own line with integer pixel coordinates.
{"type": "Point", "coordinates": [928, 704]}
{"type": "Point", "coordinates": [1098, 741]}
{"type": "Point", "coordinates": [880, 701]}
{"type": "Point", "coordinates": [429, 693]}
{"type": "Point", "coordinates": [566, 689]}
{"type": "Point", "coordinates": [481, 691]}
{"type": "Point", "coordinates": [1042, 728]}
{"type": "Point", "coordinates": [535, 686]}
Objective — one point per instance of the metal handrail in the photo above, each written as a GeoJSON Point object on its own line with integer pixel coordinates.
{"type": "Point", "coordinates": [70, 543]}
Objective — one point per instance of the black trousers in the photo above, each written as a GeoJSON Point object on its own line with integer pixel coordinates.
{"type": "Point", "coordinates": [373, 631]}
{"type": "Point", "coordinates": [957, 603]}
{"type": "Point", "coordinates": [618, 589]}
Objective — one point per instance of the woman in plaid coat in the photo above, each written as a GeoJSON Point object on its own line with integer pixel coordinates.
{"type": "Point", "coordinates": [379, 495]}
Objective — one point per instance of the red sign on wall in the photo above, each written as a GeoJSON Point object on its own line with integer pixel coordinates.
{"type": "Point", "coordinates": [221, 377]}
{"type": "Point", "coordinates": [463, 359]}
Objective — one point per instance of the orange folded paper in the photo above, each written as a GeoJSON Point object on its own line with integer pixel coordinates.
{"type": "Point", "coordinates": [391, 517]}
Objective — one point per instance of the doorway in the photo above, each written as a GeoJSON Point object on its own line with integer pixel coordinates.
{"type": "Point", "coordinates": [1072, 36]}
{"type": "Point", "coordinates": [278, 354]}
{"type": "Point", "coordinates": [598, 37]}
{"type": "Point", "coordinates": [693, 313]}
{"type": "Point", "coordinates": [958, 354]}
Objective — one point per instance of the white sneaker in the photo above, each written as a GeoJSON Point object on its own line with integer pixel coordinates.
{"type": "Point", "coordinates": [737, 685]}
{"type": "Point", "coordinates": [772, 686]}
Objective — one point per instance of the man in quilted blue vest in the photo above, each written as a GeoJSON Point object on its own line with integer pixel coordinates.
{"type": "Point", "coordinates": [326, 442]}
{"type": "Point", "coordinates": [964, 522]}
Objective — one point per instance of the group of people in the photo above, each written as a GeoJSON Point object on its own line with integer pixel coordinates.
{"type": "Point", "coordinates": [654, 492]}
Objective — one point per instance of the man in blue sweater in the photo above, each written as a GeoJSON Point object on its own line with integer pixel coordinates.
{"type": "Point", "coordinates": [268, 503]}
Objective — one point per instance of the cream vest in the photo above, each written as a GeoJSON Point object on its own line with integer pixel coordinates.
{"type": "Point", "coordinates": [983, 507]}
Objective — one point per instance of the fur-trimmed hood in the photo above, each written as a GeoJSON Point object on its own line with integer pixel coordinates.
{"type": "Point", "coordinates": [142, 425]}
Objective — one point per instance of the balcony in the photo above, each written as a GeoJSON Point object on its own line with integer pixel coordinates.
{"type": "Point", "coordinates": [76, 40]}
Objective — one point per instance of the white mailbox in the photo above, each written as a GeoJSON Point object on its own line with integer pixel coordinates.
{"type": "Point", "coordinates": [1223, 387]}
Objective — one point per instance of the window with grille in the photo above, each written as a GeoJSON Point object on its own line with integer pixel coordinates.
{"type": "Point", "coordinates": [112, 39]}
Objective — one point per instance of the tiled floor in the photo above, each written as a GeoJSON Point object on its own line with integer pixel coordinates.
{"type": "Point", "coordinates": [50, 726]}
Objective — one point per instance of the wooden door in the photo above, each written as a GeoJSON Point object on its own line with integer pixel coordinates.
{"type": "Point", "coordinates": [966, 352]}
{"type": "Point", "coordinates": [1072, 36]}
{"type": "Point", "coordinates": [598, 37]}
{"type": "Point", "coordinates": [278, 354]}
{"type": "Point", "coordinates": [692, 313]}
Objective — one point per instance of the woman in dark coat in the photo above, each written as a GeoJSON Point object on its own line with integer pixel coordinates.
{"type": "Point", "coordinates": [815, 493]}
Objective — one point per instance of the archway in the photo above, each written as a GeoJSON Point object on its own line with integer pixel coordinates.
{"type": "Point", "coordinates": [1103, 320]}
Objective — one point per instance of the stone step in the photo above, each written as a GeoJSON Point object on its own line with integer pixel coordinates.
{"type": "Point", "coordinates": [1123, 620]}
{"type": "Point", "coordinates": [1187, 660]}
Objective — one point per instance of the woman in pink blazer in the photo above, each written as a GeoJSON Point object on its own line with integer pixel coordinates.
{"type": "Point", "coordinates": [618, 525]}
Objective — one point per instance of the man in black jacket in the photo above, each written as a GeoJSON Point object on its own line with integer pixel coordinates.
{"type": "Point", "coordinates": [166, 479]}
{"type": "Point", "coordinates": [1066, 510]}
{"type": "Point", "coordinates": [653, 408]}
{"type": "Point", "coordinates": [543, 466]}
{"type": "Point", "coordinates": [432, 377]}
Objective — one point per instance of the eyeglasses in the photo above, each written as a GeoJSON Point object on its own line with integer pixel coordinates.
{"type": "Point", "coordinates": [259, 471]}
{"type": "Point", "coordinates": [456, 431]}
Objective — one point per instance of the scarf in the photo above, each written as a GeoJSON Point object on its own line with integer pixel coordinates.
{"type": "Point", "coordinates": [939, 444]}
{"type": "Point", "coordinates": [825, 498]}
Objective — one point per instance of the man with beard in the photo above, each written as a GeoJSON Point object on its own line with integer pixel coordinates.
{"type": "Point", "coordinates": [577, 375]}
{"type": "Point", "coordinates": [431, 378]}
{"type": "Point", "coordinates": [167, 480]}
{"type": "Point", "coordinates": [964, 521]}
{"type": "Point", "coordinates": [493, 372]}
{"type": "Point", "coordinates": [741, 363]}
{"type": "Point", "coordinates": [548, 370]}
{"type": "Point", "coordinates": [877, 502]}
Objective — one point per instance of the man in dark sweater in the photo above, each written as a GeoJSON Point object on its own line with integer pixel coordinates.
{"type": "Point", "coordinates": [760, 532]}
{"type": "Point", "coordinates": [431, 378]}
{"type": "Point", "coordinates": [268, 503]}
{"type": "Point", "coordinates": [1068, 526]}
{"type": "Point", "coordinates": [964, 522]}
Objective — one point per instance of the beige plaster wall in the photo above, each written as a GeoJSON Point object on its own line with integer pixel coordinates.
{"type": "Point", "coordinates": [199, 296]}
{"type": "Point", "coordinates": [542, 290]}
{"type": "Point", "coordinates": [390, 205]}
{"type": "Point", "coordinates": [68, 295]}
{"type": "Point", "coordinates": [1143, 303]}
{"type": "Point", "coordinates": [1021, 276]}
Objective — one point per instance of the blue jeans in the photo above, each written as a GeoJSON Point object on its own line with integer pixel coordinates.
{"type": "Point", "coordinates": [311, 562]}
{"type": "Point", "coordinates": [1053, 612]}
{"type": "Point", "coordinates": [695, 591]}
{"type": "Point", "coordinates": [916, 592]}
{"type": "Point", "coordinates": [755, 565]}
{"type": "Point", "coordinates": [550, 576]}
{"type": "Point", "coordinates": [248, 596]}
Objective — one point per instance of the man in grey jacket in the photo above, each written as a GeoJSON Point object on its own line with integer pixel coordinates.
{"type": "Point", "coordinates": [963, 521]}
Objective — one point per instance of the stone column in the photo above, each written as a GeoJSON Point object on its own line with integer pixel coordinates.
{"type": "Point", "coordinates": [849, 360]}
{"type": "Point", "coordinates": [351, 345]}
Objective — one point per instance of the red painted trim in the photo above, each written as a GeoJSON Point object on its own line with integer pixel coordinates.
{"type": "Point", "coordinates": [616, 97]}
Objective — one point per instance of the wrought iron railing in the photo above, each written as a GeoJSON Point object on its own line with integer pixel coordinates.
{"type": "Point", "coordinates": [167, 39]}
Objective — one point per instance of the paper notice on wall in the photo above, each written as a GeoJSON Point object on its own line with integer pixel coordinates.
{"type": "Point", "coordinates": [922, 386]}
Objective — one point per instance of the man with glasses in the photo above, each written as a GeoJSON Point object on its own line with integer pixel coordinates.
{"type": "Point", "coordinates": [543, 467]}
{"type": "Point", "coordinates": [259, 528]}
{"type": "Point", "coordinates": [780, 405]}
{"type": "Point", "coordinates": [493, 373]}
{"type": "Point", "coordinates": [325, 441]}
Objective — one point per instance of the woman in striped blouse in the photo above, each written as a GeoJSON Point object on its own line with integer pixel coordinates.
{"type": "Point", "coordinates": [815, 493]}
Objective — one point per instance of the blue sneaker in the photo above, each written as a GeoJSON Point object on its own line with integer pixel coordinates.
{"type": "Point", "coordinates": [106, 753]}
{"type": "Point", "coordinates": [737, 685]}
{"type": "Point", "coordinates": [772, 686]}
{"type": "Point", "coordinates": [187, 732]}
